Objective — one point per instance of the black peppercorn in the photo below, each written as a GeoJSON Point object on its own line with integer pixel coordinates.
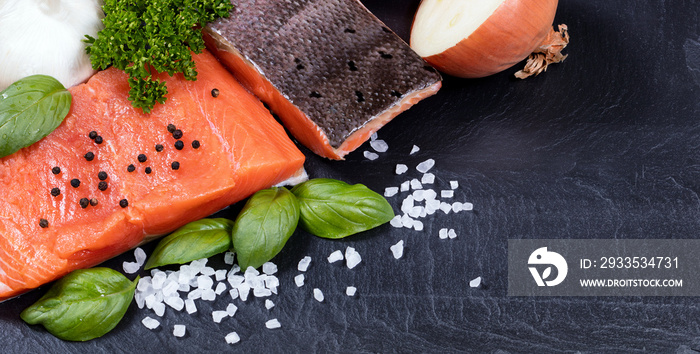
{"type": "Point", "coordinates": [56, 170]}
{"type": "Point", "coordinates": [92, 135]}
{"type": "Point", "coordinates": [75, 183]}
{"type": "Point", "coordinates": [142, 158]}
{"type": "Point", "coordinates": [93, 201]}
{"type": "Point", "coordinates": [175, 165]}
{"type": "Point", "coordinates": [195, 144]}
{"type": "Point", "coordinates": [171, 128]}
{"type": "Point", "coordinates": [98, 139]}
{"type": "Point", "coordinates": [55, 192]}
{"type": "Point", "coordinates": [131, 168]}
{"type": "Point", "coordinates": [89, 156]}
{"type": "Point", "coordinates": [159, 147]}
{"type": "Point", "coordinates": [84, 202]}
{"type": "Point", "coordinates": [102, 175]}
{"type": "Point", "coordinates": [43, 223]}
{"type": "Point", "coordinates": [102, 186]}
{"type": "Point", "coordinates": [177, 134]}
{"type": "Point", "coordinates": [179, 145]}
{"type": "Point", "coordinates": [148, 170]}
{"type": "Point", "coordinates": [215, 93]}
{"type": "Point", "coordinates": [123, 203]}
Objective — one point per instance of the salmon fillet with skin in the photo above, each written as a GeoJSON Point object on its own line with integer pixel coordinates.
{"type": "Point", "coordinates": [329, 68]}
{"type": "Point", "coordinates": [241, 149]}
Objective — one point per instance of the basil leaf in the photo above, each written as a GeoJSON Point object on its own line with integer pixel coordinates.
{"type": "Point", "coordinates": [83, 305]}
{"type": "Point", "coordinates": [335, 209]}
{"type": "Point", "coordinates": [264, 225]}
{"type": "Point", "coordinates": [199, 239]}
{"type": "Point", "coordinates": [30, 109]}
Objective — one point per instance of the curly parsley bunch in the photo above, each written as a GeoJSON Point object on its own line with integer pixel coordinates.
{"type": "Point", "coordinates": [145, 35]}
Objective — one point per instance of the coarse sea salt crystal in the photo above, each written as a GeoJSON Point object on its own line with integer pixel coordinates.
{"type": "Point", "coordinates": [208, 271]}
{"type": "Point", "coordinates": [371, 155]}
{"type": "Point", "coordinates": [427, 178]}
{"type": "Point", "coordinates": [208, 295]}
{"type": "Point", "coordinates": [170, 288]}
{"type": "Point", "coordinates": [150, 323]}
{"type": "Point", "coordinates": [140, 299]}
{"type": "Point", "coordinates": [231, 309]}
{"type": "Point", "coordinates": [175, 302]}
{"type": "Point", "coordinates": [220, 288]}
{"type": "Point", "coordinates": [451, 233]}
{"type": "Point", "coordinates": [190, 306]}
{"type": "Point", "coordinates": [269, 304]}
{"type": "Point", "coordinates": [407, 204]}
{"type": "Point", "coordinates": [233, 293]}
{"type": "Point", "coordinates": [243, 291]}
{"type": "Point", "coordinates": [269, 268]}
{"type": "Point", "coordinates": [273, 323]}
{"type": "Point", "coordinates": [204, 282]}
{"type": "Point", "coordinates": [220, 274]}
{"type": "Point", "coordinates": [228, 257]}
{"type": "Point", "coordinates": [195, 294]}
{"type": "Point", "coordinates": [337, 255]}
{"type": "Point", "coordinates": [454, 184]}
{"type": "Point", "coordinates": [396, 221]}
{"type": "Point", "coordinates": [318, 295]}
{"type": "Point", "coordinates": [445, 207]}
{"type": "Point", "coordinates": [475, 283]}
{"type": "Point", "coordinates": [217, 316]}
{"type": "Point", "coordinates": [299, 280]}
{"type": "Point", "coordinates": [179, 330]}
{"type": "Point", "coordinates": [304, 264]}
{"type": "Point", "coordinates": [350, 291]}
{"type": "Point", "coordinates": [415, 184]}
{"type": "Point", "coordinates": [401, 168]}
{"type": "Point", "coordinates": [425, 166]}
{"type": "Point", "coordinates": [232, 338]}
{"type": "Point", "coordinates": [418, 225]}
{"type": "Point", "coordinates": [406, 221]}
{"type": "Point", "coordinates": [158, 280]}
{"type": "Point", "coordinates": [442, 233]}
{"type": "Point", "coordinates": [352, 258]}
{"type": "Point", "coordinates": [379, 145]}
{"type": "Point", "coordinates": [374, 136]}
{"type": "Point", "coordinates": [467, 206]}
{"type": "Point", "coordinates": [391, 191]}
{"type": "Point", "coordinates": [261, 292]}
{"type": "Point", "coordinates": [447, 193]}
{"type": "Point", "coordinates": [140, 256]}
{"type": "Point", "coordinates": [414, 150]}
{"type": "Point", "coordinates": [159, 309]}
{"type": "Point", "coordinates": [235, 280]}
{"type": "Point", "coordinates": [397, 249]}
{"type": "Point", "coordinates": [131, 267]}
{"type": "Point", "coordinates": [405, 186]}
{"type": "Point", "coordinates": [144, 284]}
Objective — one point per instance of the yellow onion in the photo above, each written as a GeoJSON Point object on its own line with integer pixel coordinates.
{"type": "Point", "coordinates": [477, 38]}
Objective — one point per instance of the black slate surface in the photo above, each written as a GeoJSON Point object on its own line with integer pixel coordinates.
{"type": "Point", "coordinates": [604, 145]}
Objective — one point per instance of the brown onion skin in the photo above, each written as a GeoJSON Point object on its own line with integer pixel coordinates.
{"type": "Point", "coordinates": [507, 37]}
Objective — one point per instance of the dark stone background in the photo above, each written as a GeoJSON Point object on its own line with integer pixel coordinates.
{"type": "Point", "coordinates": [604, 145]}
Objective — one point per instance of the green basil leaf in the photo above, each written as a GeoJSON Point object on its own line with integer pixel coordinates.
{"type": "Point", "coordinates": [335, 209]}
{"type": "Point", "coordinates": [30, 109]}
{"type": "Point", "coordinates": [199, 239]}
{"type": "Point", "coordinates": [264, 225]}
{"type": "Point", "coordinates": [83, 305]}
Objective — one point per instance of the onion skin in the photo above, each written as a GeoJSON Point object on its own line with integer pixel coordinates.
{"type": "Point", "coordinates": [508, 36]}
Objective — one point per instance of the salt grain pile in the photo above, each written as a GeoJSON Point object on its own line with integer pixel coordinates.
{"type": "Point", "coordinates": [419, 200]}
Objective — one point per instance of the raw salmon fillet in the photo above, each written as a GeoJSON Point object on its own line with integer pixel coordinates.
{"type": "Point", "coordinates": [240, 150]}
{"type": "Point", "coordinates": [330, 69]}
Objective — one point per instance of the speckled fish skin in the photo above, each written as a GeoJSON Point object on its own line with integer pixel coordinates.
{"type": "Point", "coordinates": [342, 68]}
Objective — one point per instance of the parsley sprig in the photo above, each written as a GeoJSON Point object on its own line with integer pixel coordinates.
{"type": "Point", "coordinates": [143, 36]}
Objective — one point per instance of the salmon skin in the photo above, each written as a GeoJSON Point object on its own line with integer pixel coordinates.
{"type": "Point", "coordinates": [145, 178]}
{"type": "Point", "coordinates": [330, 69]}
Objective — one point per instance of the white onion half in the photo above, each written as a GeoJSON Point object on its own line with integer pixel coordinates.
{"type": "Point", "coordinates": [477, 38]}
{"type": "Point", "coordinates": [45, 37]}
